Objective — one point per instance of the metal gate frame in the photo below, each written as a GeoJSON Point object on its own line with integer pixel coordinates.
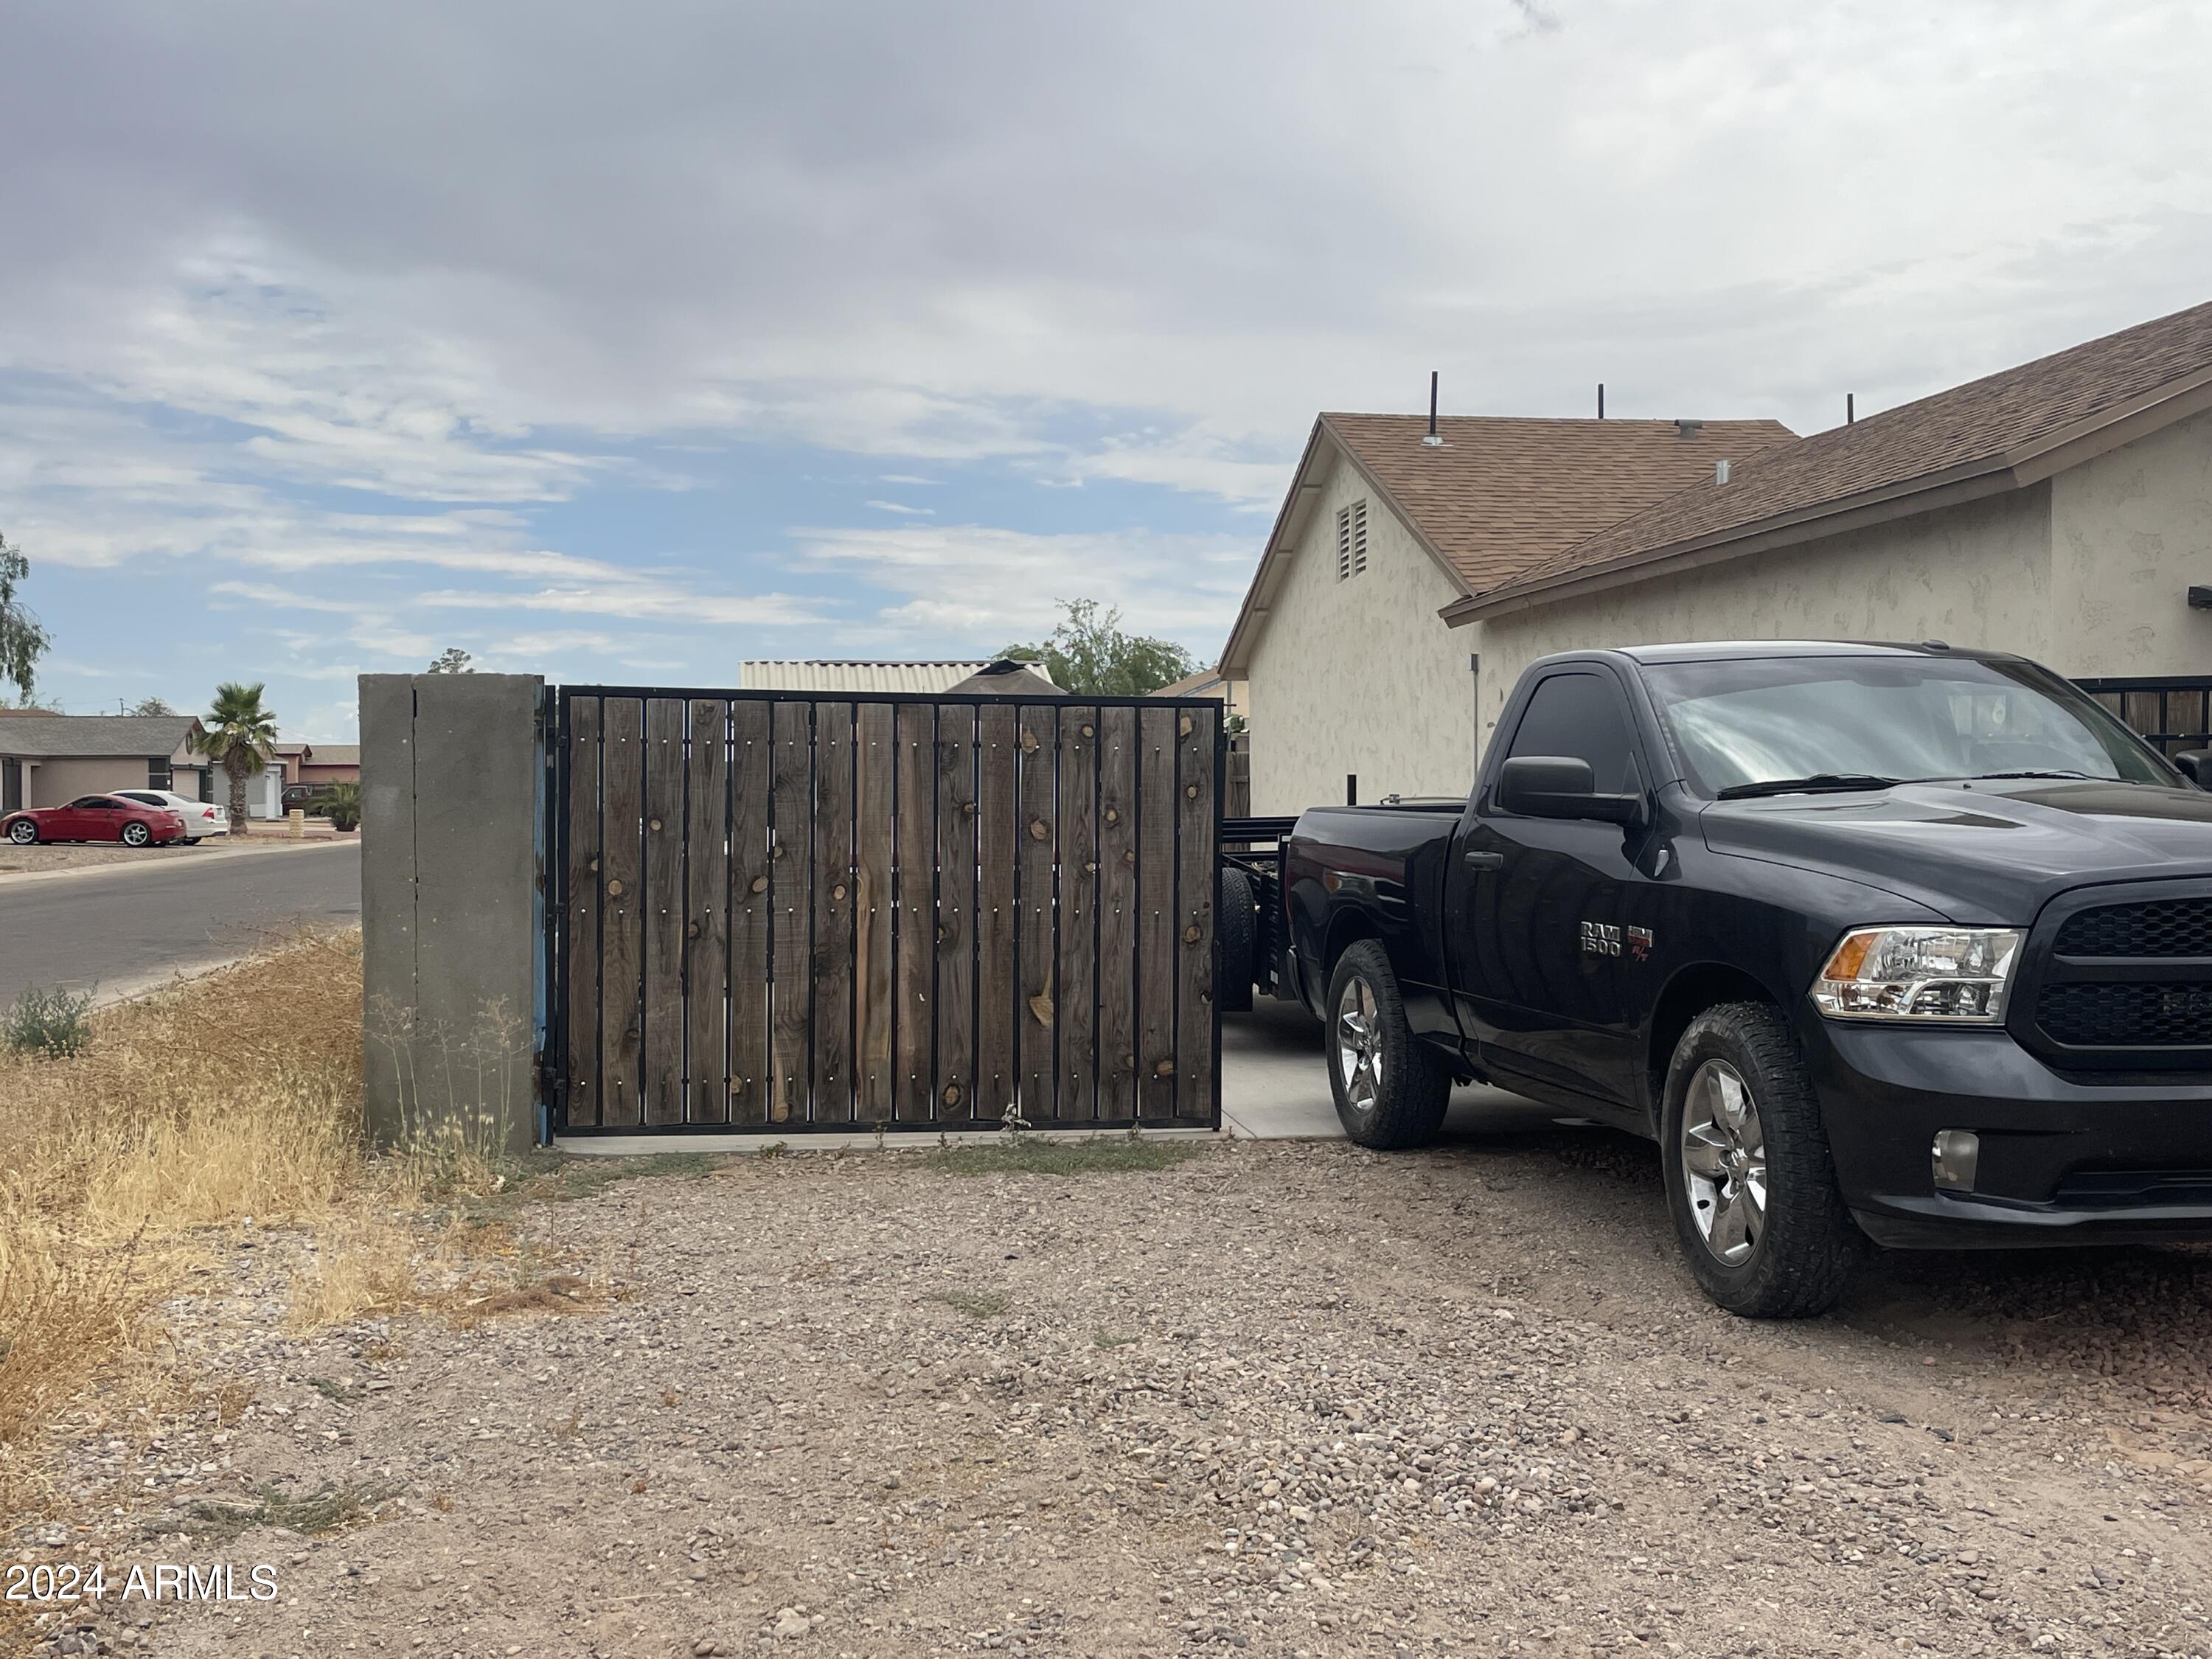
{"type": "Point", "coordinates": [558, 958]}
{"type": "Point", "coordinates": [2157, 699]}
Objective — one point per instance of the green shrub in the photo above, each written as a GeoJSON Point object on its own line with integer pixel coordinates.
{"type": "Point", "coordinates": [55, 1022]}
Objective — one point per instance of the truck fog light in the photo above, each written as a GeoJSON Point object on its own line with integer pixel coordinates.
{"type": "Point", "coordinates": [1957, 1153]}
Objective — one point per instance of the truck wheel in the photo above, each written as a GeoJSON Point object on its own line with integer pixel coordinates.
{"type": "Point", "coordinates": [1749, 1178]}
{"type": "Point", "coordinates": [1235, 923]}
{"type": "Point", "coordinates": [1391, 1089]}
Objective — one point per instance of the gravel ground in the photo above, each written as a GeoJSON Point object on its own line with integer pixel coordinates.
{"type": "Point", "coordinates": [1282, 1398]}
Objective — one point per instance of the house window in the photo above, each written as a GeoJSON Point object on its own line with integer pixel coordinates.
{"type": "Point", "coordinates": [159, 775]}
{"type": "Point", "coordinates": [1352, 541]}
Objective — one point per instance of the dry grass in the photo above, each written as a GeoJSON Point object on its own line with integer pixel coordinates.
{"type": "Point", "coordinates": [236, 1095]}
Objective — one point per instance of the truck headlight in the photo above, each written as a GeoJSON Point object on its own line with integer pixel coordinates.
{"type": "Point", "coordinates": [1946, 975]}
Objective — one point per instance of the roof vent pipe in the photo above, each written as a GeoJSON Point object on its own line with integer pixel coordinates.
{"type": "Point", "coordinates": [1601, 400]}
{"type": "Point", "coordinates": [1433, 442]}
{"type": "Point", "coordinates": [1720, 472]}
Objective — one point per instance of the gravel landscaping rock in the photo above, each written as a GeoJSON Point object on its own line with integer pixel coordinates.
{"type": "Point", "coordinates": [1280, 1399]}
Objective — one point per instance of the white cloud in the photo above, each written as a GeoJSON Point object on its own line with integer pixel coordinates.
{"type": "Point", "coordinates": [911, 512]}
{"type": "Point", "coordinates": [983, 586]}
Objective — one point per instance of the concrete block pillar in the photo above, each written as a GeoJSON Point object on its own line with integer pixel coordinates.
{"type": "Point", "coordinates": [452, 773]}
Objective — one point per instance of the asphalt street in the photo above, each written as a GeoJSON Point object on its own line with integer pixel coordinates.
{"type": "Point", "coordinates": [116, 930]}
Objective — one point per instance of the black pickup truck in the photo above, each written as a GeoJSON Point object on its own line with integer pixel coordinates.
{"type": "Point", "coordinates": [1902, 941]}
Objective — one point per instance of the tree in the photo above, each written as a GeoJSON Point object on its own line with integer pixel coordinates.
{"type": "Point", "coordinates": [152, 706]}
{"type": "Point", "coordinates": [239, 734]}
{"type": "Point", "coordinates": [1088, 654]}
{"type": "Point", "coordinates": [22, 642]}
{"type": "Point", "coordinates": [451, 661]}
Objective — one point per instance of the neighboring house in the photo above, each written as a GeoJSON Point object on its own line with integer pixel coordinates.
{"type": "Point", "coordinates": [1008, 678]}
{"type": "Point", "coordinates": [49, 760]}
{"type": "Point", "coordinates": [330, 763]}
{"type": "Point", "coordinates": [2062, 509]}
{"type": "Point", "coordinates": [1209, 683]}
{"type": "Point", "coordinates": [1350, 668]}
{"type": "Point", "coordinates": [835, 675]}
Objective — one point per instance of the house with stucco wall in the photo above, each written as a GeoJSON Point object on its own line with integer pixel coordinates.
{"type": "Point", "coordinates": [49, 760]}
{"type": "Point", "coordinates": [2062, 509]}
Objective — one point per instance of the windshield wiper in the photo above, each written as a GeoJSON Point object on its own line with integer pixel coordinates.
{"type": "Point", "coordinates": [1819, 780]}
{"type": "Point", "coordinates": [1980, 777]}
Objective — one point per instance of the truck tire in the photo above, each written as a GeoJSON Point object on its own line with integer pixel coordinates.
{"type": "Point", "coordinates": [1749, 1178]}
{"type": "Point", "coordinates": [1391, 1088]}
{"type": "Point", "coordinates": [1235, 923]}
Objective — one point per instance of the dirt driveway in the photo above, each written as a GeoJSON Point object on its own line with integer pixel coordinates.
{"type": "Point", "coordinates": [1280, 1398]}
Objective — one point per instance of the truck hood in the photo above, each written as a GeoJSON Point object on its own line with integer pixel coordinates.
{"type": "Point", "coordinates": [1992, 852]}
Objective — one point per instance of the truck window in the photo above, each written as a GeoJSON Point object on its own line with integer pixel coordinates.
{"type": "Point", "coordinates": [1581, 714]}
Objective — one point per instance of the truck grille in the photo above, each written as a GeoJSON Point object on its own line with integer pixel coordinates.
{"type": "Point", "coordinates": [2153, 1016]}
{"type": "Point", "coordinates": [2165, 928]}
{"type": "Point", "coordinates": [2124, 984]}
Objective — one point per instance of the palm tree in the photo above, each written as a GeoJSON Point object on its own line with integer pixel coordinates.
{"type": "Point", "coordinates": [239, 735]}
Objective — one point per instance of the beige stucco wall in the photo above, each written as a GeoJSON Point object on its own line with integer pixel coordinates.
{"type": "Point", "coordinates": [58, 782]}
{"type": "Point", "coordinates": [1977, 574]}
{"type": "Point", "coordinates": [1359, 676]}
{"type": "Point", "coordinates": [2131, 531]}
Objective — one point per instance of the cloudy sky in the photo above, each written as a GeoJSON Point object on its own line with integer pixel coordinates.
{"type": "Point", "coordinates": [623, 343]}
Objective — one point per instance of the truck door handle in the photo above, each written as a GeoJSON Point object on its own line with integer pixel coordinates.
{"type": "Point", "coordinates": [1476, 860]}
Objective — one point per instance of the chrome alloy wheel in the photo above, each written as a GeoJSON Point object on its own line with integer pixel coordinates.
{"type": "Point", "coordinates": [1359, 1045]}
{"type": "Point", "coordinates": [1724, 1161]}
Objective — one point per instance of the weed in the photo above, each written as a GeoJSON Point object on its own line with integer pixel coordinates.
{"type": "Point", "coordinates": [344, 1393]}
{"type": "Point", "coordinates": [51, 1023]}
{"type": "Point", "coordinates": [976, 1304]}
{"type": "Point", "coordinates": [1030, 1156]}
{"type": "Point", "coordinates": [1103, 1337]}
{"type": "Point", "coordinates": [328, 1507]}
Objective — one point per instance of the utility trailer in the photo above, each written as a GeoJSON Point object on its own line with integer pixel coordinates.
{"type": "Point", "coordinates": [1250, 920]}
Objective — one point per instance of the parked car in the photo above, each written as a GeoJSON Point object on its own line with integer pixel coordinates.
{"type": "Point", "coordinates": [1896, 941]}
{"type": "Point", "coordinates": [96, 817]}
{"type": "Point", "coordinates": [202, 818]}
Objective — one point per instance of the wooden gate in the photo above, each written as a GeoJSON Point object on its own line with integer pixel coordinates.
{"type": "Point", "coordinates": [787, 912]}
{"type": "Point", "coordinates": [2169, 711]}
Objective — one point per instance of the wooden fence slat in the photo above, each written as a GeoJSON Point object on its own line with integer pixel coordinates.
{"type": "Point", "coordinates": [875, 768]}
{"type": "Point", "coordinates": [1117, 913]}
{"type": "Point", "coordinates": [1156, 949]}
{"type": "Point", "coordinates": [581, 940]}
{"type": "Point", "coordinates": [955, 1082]}
{"type": "Point", "coordinates": [1195, 881]}
{"type": "Point", "coordinates": [622, 929]}
{"type": "Point", "coordinates": [791, 877]}
{"type": "Point", "coordinates": [1075, 1015]}
{"type": "Point", "coordinates": [2140, 710]}
{"type": "Point", "coordinates": [753, 768]}
{"type": "Point", "coordinates": [995, 768]}
{"type": "Point", "coordinates": [833, 912]}
{"type": "Point", "coordinates": [663, 910]}
{"type": "Point", "coordinates": [1036, 1014]}
{"type": "Point", "coordinates": [913, 1002]}
{"type": "Point", "coordinates": [706, 907]}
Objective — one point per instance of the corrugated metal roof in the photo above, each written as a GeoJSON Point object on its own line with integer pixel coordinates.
{"type": "Point", "coordinates": [821, 675]}
{"type": "Point", "coordinates": [65, 736]}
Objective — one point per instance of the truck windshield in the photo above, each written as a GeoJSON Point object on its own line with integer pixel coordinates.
{"type": "Point", "coordinates": [1765, 719]}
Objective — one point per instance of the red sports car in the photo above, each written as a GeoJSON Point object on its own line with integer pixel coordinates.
{"type": "Point", "coordinates": [95, 818]}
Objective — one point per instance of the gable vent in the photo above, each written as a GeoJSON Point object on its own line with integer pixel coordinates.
{"type": "Point", "coordinates": [1352, 541]}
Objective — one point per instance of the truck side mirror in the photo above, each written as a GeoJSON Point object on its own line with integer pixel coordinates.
{"type": "Point", "coordinates": [1560, 787]}
{"type": "Point", "coordinates": [2195, 765]}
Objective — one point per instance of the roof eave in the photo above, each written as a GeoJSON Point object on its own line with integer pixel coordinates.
{"type": "Point", "coordinates": [2070, 447]}
{"type": "Point", "coordinates": [1949, 489]}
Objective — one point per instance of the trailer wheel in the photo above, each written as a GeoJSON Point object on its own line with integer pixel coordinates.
{"type": "Point", "coordinates": [1235, 922]}
{"type": "Point", "coordinates": [1391, 1088]}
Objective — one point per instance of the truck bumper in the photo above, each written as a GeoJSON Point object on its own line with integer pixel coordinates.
{"type": "Point", "coordinates": [2060, 1162]}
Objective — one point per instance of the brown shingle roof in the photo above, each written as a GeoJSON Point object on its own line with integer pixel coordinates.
{"type": "Point", "coordinates": [1501, 495]}
{"type": "Point", "coordinates": [2002, 424]}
